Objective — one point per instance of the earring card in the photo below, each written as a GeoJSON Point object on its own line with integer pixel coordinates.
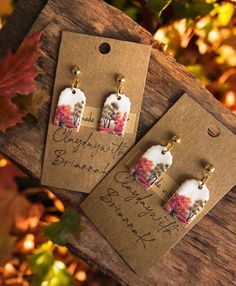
{"type": "Point", "coordinates": [79, 160]}
{"type": "Point", "coordinates": [130, 217]}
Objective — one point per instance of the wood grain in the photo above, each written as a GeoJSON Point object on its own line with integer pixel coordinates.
{"type": "Point", "coordinates": [207, 254]}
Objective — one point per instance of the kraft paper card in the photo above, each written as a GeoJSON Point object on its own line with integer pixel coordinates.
{"type": "Point", "coordinates": [79, 160]}
{"type": "Point", "coordinates": [130, 217]}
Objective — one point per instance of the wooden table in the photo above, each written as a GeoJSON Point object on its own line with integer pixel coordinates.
{"type": "Point", "coordinates": [207, 254]}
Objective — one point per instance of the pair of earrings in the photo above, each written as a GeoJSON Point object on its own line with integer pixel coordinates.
{"type": "Point", "coordinates": [190, 197]}
{"type": "Point", "coordinates": [71, 106]}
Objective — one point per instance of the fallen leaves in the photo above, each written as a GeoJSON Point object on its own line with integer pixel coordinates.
{"type": "Point", "coordinates": [18, 88]}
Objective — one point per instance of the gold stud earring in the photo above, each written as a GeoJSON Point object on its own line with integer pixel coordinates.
{"type": "Point", "coordinates": [76, 72]}
{"type": "Point", "coordinates": [209, 169]}
{"type": "Point", "coordinates": [121, 82]}
{"type": "Point", "coordinates": [174, 140]}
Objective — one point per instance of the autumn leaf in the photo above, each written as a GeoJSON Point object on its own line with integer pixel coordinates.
{"type": "Point", "coordinates": [17, 76]}
{"type": "Point", "coordinates": [10, 114]}
{"type": "Point", "coordinates": [16, 212]}
{"type": "Point", "coordinates": [20, 212]}
{"type": "Point", "coordinates": [31, 103]}
{"type": "Point", "coordinates": [58, 232]}
{"type": "Point", "coordinates": [17, 71]}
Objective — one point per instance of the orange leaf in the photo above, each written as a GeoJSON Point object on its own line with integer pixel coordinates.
{"type": "Point", "coordinates": [10, 114]}
{"type": "Point", "coordinates": [17, 75]}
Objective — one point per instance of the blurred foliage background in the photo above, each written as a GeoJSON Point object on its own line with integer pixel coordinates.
{"type": "Point", "coordinates": [28, 257]}
{"type": "Point", "coordinates": [200, 34]}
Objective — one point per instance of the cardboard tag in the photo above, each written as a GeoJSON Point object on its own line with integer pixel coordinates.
{"type": "Point", "coordinates": [130, 217]}
{"type": "Point", "coordinates": [79, 160]}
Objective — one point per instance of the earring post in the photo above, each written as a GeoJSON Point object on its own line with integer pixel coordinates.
{"type": "Point", "coordinates": [209, 169]}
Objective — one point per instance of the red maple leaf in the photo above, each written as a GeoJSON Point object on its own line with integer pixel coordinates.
{"type": "Point", "coordinates": [17, 75]}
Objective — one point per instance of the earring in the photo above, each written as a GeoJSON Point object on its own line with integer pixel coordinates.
{"type": "Point", "coordinates": [71, 104]}
{"type": "Point", "coordinates": [190, 198]}
{"type": "Point", "coordinates": [115, 112]}
{"type": "Point", "coordinates": [154, 163]}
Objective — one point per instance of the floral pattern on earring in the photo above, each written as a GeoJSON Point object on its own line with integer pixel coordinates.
{"type": "Point", "coordinates": [70, 109]}
{"type": "Point", "coordinates": [153, 163]}
{"type": "Point", "coordinates": [151, 166]}
{"type": "Point", "coordinates": [187, 202]}
{"type": "Point", "coordinates": [115, 112]}
{"type": "Point", "coordinates": [115, 115]}
{"type": "Point", "coordinates": [70, 106]}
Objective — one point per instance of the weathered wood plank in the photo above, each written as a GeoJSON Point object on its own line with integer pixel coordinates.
{"type": "Point", "coordinates": [206, 254]}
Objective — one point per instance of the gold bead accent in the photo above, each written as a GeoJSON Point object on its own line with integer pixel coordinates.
{"type": "Point", "coordinates": [121, 79]}
{"type": "Point", "coordinates": [76, 71]}
{"type": "Point", "coordinates": [209, 168]}
{"type": "Point", "coordinates": [174, 140]}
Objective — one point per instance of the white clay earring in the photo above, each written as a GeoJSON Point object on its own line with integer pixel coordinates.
{"type": "Point", "coordinates": [190, 198]}
{"type": "Point", "coordinates": [115, 112]}
{"type": "Point", "coordinates": [154, 163]}
{"type": "Point", "coordinates": [71, 104]}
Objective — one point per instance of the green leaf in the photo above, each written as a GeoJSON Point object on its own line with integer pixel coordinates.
{"type": "Point", "coordinates": [58, 275]}
{"type": "Point", "coordinates": [58, 232]}
{"type": "Point", "coordinates": [42, 260]}
{"type": "Point", "coordinates": [47, 270]}
{"type": "Point", "coordinates": [158, 6]}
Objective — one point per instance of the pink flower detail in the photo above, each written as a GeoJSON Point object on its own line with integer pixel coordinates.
{"type": "Point", "coordinates": [63, 115]}
{"type": "Point", "coordinates": [120, 122]}
{"type": "Point", "coordinates": [141, 171]}
{"type": "Point", "coordinates": [112, 120]}
{"type": "Point", "coordinates": [178, 207]}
